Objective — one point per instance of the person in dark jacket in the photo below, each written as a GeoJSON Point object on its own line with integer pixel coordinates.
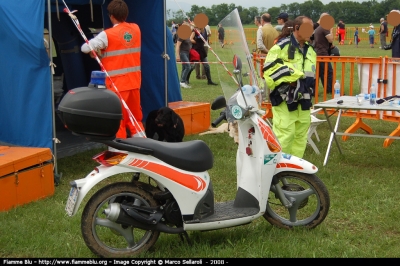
{"type": "Point", "coordinates": [383, 29]}
{"type": "Point", "coordinates": [221, 35]}
{"type": "Point", "coordinates": [198, 45]}
{"type": "Point", "coordinates": [395, 40]}
{"type": "Point", "coordinates": [323, 39]}
{"type": "Point", "coordinates": [395, 43]}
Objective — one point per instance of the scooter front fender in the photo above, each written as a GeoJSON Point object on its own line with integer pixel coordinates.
{"type": "Point", "coordinates": [84, 185]}
{"type": "Point", "coordinates": [293, 163]}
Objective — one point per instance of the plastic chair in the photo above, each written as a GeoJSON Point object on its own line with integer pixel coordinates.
{"type": "Point", "coordinates": [313, 129]}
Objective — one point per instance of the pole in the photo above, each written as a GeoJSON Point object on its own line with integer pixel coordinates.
{"type": "Point", "coordinates": [166, 57]}
{"type": "Point", "coordinates": [57, 176]}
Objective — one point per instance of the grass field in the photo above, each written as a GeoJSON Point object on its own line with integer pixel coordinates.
{"type": "Point", "coordinates": [362, 182]}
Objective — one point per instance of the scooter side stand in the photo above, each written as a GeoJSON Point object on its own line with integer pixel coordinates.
{"type": "Point", "coordinates": [184, 236]}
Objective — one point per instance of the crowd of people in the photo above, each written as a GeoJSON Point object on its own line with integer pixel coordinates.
{"type": "Point", "coordinates": [289, 69]}
{"type": "Point", "coordinates": [290, 62]}
{"type": "Point", "coordinates": [290, 50]}
{"type": "Point", "coordinates": [268, 35]}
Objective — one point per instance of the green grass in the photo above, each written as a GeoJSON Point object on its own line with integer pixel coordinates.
{"type": "Point", "coordinates": [362, 182]}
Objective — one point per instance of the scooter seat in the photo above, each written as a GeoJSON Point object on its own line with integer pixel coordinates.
{"type": "Point", "coordinates": [194, 156]}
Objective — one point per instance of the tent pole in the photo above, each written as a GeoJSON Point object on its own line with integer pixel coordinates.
{"type": "Point", "coordinates": [56, 175]}
{"type": "Point", "coordinates": [165, 56]}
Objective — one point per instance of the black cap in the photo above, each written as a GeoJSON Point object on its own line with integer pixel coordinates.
{"type": "Point", "coordinates": [283, 16]}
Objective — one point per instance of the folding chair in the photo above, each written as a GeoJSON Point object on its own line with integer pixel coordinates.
{"type": "Point", "coordinates": [313, 129]}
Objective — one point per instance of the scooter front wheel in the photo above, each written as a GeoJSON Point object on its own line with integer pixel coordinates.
{"type": "Point", "coordinates": [309, 200]}
{"type": "Point", "coordinates": [106, 238]}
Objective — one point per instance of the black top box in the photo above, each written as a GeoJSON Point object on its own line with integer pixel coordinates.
{"type": "Point", "coordinates": [91, 111]}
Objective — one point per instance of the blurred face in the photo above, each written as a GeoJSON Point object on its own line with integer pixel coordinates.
{"type": "Point", "coordinates": [305, 30]}
{"type": "Point", "coordinates": [280, 21]}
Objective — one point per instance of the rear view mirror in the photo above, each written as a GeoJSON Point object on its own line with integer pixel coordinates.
{"type": "Point", "coordinates": [218, 103]}
{"type": "Point", "coordinates": [237, 63]}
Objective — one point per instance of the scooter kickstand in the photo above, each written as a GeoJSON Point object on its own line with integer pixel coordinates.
{"type": "Point", "coordinates": [185, 234]}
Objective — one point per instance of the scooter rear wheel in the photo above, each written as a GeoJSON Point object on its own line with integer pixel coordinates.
{"type": "Point", "coordinates": [309, 197]}
{"type": "Point", "coordinates": [106, 238]}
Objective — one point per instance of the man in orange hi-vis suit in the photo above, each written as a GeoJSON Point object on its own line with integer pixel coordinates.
{"type": "Point", "coordinates": [119, 48]}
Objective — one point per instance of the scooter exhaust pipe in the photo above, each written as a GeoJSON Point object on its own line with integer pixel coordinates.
{"type": "Point", "coordinates": [116, 213]}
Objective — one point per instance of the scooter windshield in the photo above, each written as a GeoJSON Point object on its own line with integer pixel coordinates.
{"type": "Point", "coordinates": [235, 43]}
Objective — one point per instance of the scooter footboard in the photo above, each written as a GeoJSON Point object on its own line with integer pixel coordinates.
{"type": "Point", "coordinates": [293, 163]}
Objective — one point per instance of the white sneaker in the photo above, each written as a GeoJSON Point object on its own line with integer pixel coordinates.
{"type": "Point", "coordinates": [184, 85]}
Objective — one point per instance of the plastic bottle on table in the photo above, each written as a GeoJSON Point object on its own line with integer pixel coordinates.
{"type": "Point", "coordinates": [372, 98]}
{"type": "Point", "coordinates": [336, 88]}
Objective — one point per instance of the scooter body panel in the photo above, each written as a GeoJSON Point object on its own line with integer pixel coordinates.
{"type": "Point", "coordinates": [288, 162]}
{"type": "Point", "coordinates": [255, 162]}
{"type": "Point", "coordinates": [188, 188]}
{"type": "Point", "coordinates": [84, 185]}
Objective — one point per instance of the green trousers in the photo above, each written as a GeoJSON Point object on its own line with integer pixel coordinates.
{"type": "Point", "coordinates": [291, 128]}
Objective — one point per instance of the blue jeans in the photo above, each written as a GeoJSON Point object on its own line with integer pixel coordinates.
{"type": "Point", "coordinates": [371, 39]}
{"type": "Point", "coordinates": [185, 65]}
{"type": "Point", "coordinates": [321, 76]}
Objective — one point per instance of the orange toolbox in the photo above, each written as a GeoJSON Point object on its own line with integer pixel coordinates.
{"type": "Point", "coordinates": [26, 174]}
{"type": "Point", "coordinates": [195, 115]}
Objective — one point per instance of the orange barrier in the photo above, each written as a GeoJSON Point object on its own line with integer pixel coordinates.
{"type": "Point", "coordinates": [371, 65]}
{"type": "Point", "coordinates": [381, 71]}
{"type": "Point", "coordinates": [258, 61]}
{"type": "Point", "coordinates": [392, 70]}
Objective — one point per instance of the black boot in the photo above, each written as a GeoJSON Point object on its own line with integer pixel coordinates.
{"type": "Point", "coordinates": [208, 75]}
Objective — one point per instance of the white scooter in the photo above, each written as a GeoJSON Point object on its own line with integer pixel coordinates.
{"type": "Point", "coordinates": [126, 218]}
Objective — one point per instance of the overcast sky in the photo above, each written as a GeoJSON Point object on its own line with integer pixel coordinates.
{"type": "Point", "coordinates": [171, 4]}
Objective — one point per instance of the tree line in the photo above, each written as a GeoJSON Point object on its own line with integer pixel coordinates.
{"type": "Point", "coordinates": [350, 12]}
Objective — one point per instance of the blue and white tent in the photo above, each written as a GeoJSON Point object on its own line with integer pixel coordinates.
{"type": "Point", "coordinates": [26, 84]}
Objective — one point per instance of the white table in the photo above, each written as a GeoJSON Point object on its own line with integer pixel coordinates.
{"type": "Point", "coordinates": [350, 102]}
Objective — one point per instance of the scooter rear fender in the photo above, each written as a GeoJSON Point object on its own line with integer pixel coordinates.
{"type": "Point", "coordinates": [293, 163]}
{"type": "Point", "coordinates": [101, 172]}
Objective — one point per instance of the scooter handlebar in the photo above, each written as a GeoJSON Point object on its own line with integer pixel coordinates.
{"type": "Point", "coordinates": [219, 119]}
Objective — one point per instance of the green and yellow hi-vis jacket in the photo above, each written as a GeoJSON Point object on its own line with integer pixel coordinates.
{"type": "Point", "coordinates": [279, 71]}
